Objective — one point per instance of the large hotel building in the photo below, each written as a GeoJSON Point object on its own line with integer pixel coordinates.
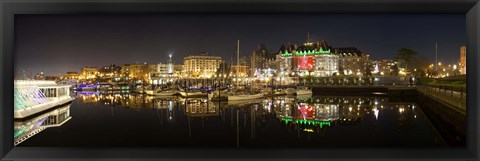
{"type": "Point", "coordinates": [352, 61]}
{"type": "Point", "coordinates": [315, 59]}
{"type": "Point", "coordinates": [201, 66]}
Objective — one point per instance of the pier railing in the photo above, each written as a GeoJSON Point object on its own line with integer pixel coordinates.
{"type": "Point", "coordinates": [452, 91]}
{"type": "Point", "coordinates": [455, 96]}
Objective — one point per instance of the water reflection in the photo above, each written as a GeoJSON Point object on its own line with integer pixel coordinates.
{"type": "Point", "coordinates": [26, 128]}
{"type": "Point", "coordinates": [310, 114]}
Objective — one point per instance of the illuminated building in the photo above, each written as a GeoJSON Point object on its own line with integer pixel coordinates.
{"type": "Point", "coordinates": [88, 73]}
{"type": "Point", "coordinates": [463, 60]}
{"type": "Point", "coordinates": [201, 66]}
{"type": "Point", "coordinates": [71, 75]}
{"type": "Point", "coordinates": [177, 69]}
{"type": "Point", "coordinates": [239, 71]}
{"type": "Point", "coordinates": [165, 70]}
{"type": "Point", "coordinates": [385, 67]}
{"type": "Point", "coordinates": [164, 73]}
{"type": "Point", "coordinates": [261, 59]}
{"type": "Point", "coordinates": [351, 61]}
{"type": "Point", "coordinates": [245, 61]}
{"type": "Point", "coordinates": [110, 71]}
{"type": "Point", "coordinates": [315, 59]}
{"type": "Point", "coordinates": [137, 72]}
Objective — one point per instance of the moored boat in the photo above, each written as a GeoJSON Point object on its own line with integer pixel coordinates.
{"type": "Point", "coordinates": [166, 93]}
{"type": "Point", "coordinates": [218, 95]}
{"type": "Point", "coordinates": [87, 87]}
{"type": "Point", "coordinates": [236, 97]}
{"type": "Point", "coordinates": [299, 91]}
{"type": "Point", "coordinates": [192, 94]}
{"type": "Point", "coordinates": [150, 91]}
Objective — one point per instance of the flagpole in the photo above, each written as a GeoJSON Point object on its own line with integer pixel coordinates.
{"type": "Point", "coordinates": [436, 56]}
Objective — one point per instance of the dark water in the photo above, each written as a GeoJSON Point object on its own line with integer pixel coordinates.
{"type": "Point", "coordinates": [111, 120]}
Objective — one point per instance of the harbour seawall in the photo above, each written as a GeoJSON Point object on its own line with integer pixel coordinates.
{"type": "Point", "coordinates": [449, 122]}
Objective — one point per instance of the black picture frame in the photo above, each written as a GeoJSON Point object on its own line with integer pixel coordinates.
{"type": "Point", "coordinates": [10, 8]}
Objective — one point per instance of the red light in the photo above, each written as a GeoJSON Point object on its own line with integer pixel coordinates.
{"type": "Point", "coordinates": [305, 62]}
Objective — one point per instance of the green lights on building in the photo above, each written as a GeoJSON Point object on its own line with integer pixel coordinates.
{"type": "Point", "coordinates": [307, 52]}
{"type": "Point", "coordinates": [304, 98]}
{"type": "Point", "coordinates": [307, 122]}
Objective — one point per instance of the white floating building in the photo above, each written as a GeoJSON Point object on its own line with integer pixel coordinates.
{"type": "Point", "coordinates": [34, 96]}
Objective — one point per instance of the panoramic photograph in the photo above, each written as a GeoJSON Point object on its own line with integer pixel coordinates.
{"type": "Point", "coordinates": [240, 80]}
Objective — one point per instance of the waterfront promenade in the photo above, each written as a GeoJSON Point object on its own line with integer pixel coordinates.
{"type": "Point", "coordinates": [454, 98]}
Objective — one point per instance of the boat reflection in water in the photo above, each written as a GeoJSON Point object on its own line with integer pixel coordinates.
{"type": "Point", "coordinates": [26, 128]}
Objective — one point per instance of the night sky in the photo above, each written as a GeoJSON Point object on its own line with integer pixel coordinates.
{"type": "Point", "coordinates": [56, 44]}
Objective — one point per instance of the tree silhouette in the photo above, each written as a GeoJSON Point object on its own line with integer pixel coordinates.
{"type": "Point", "coordinates": [395, 70]}
{"type": "Point", "coordinates": [405, 56]}
{"type": "Point", "coordinates": [368, 71]}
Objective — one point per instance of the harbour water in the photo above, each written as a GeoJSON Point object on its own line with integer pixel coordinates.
{"type": "Point", "coordinates": [137, 120]}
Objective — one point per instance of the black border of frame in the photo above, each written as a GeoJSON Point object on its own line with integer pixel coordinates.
{"type": "Point", "coordinates": [8, 9]}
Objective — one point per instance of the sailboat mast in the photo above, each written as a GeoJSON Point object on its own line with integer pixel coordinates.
{"type": "Point", "coordinates": [436, 56]}
{"type": "Point", "coordinates": [238, 62]}
{"type": "Point", "coordinates": [308, 37]}
{"type": "Point", "coordinates": [238, 52]}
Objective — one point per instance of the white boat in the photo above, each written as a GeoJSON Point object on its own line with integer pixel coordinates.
{"type": "Point", "coordinates": [236, 97]}
{"type": "Point", "coordinates": [244, 102]}
{"type": "Point", "coordinates": [218, 95]}
{"type": "Point", "coordinates": [299, 91]}
{"type": "Point", "coordinates": [166, 93]}
{"type": "Point", "coordinates": [34, 96]}
{"type": "Point", "coordinates": [150, 92]}
{"type": "Point", "coordinates": [192, 94]}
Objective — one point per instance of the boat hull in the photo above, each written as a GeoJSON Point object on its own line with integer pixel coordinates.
{"type": "Point", "coordinates": [166, 93]}
{"type": "Point", "coordinates": [245, 97]}
{"type": "Point", "coordinates": [149, 92]}
{"type": "Point", "coordinates": [192, 94]}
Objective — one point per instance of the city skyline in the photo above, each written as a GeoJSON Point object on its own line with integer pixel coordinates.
{"type": "Point", "coordinates": [53, 44]}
